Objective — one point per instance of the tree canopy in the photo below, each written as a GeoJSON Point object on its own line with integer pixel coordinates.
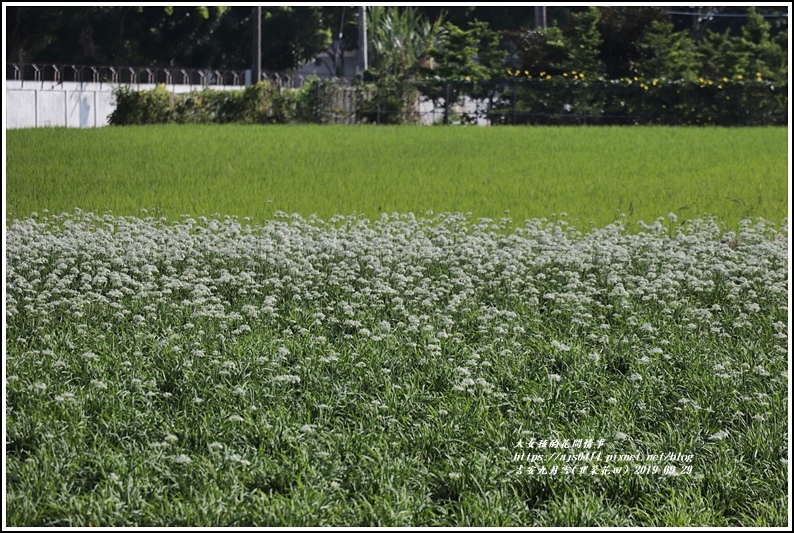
{"type": "Point", "coordinates": [614, 42]}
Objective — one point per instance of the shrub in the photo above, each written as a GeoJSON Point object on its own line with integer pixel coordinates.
{"type": "Point", "coordinates": [566, 100]}
{"type": "Point", "coordinates": [143, 107]}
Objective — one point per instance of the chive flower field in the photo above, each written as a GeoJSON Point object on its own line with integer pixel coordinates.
{"type": "Point", "coordinates": [407, 370]}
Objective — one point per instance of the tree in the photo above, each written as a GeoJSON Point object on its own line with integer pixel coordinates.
{"type": "Point", "coordinates": [202, 36]}
{"type": "Point", "coordinates": [465, 61]}
{"type": "Point", "coordinates": [499, 18]}
{"type": "Point", "coordinates": [583, 43]}
{"type": "Point", "coordinates": [667, 54]}
{"type": "Point", "coordinates": [764, 56]}
{"type": "Point", "coordinates": [185, 36]}
{"type": "Point", "coordinates": [539, 50]}
{"type": "Point", "coordinates": [112, 35]}
{"type": "Point", "coordinates": [292, 36]}
{"type": "Point", "coordinates": [453, 66]}
{"type": "Point", "coordinates": [753, 52]}
{"type": "Point", "coordinates": [343, 24]}
{"type": "Point", "coordinates": [401, 40]}
{"type": "Point", "coordinates": [491, 54]}
{"type": "Point", "coordinates": [36, 32]}
{"type": "Point", "coordinates": [622, 28]}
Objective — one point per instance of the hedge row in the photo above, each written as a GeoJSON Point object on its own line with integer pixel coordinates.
{"type": "Point", "coordinates": [568, 101]}
{"type": "Point", "coordinates": [262, 103]}
{"type": "Point", "coordinates": [556, 101]}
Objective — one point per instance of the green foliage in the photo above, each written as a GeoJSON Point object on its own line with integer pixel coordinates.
{"type": "Point", "coordinates": [720, 56]}
{"type": "Point", "coordinates": [165, 36]}
{"type": "Point", "coordinates": [316, 102]}
{"type": "Point", "coordinates": [622, 28]}
{"type": "Point", "coordinates": [259, 104]}
{"type": "Point", "coordinates": [764, 56]}
{"type": "Point", "coordinates": [143, 107]}
{"type": "Point", "coordinates": [256, 104]}
{"type": "Point", "coordinates": [583, 42]}
{"type": "Point", "coordinates": [453, 60]}
{"type": "Point", "coordinates": [491, 55]}
{"type": "Point", "coordinates": [613, 41]}
{"type": "Point", "coordinates": [624, 42]}
{"type": "Point", "coordinates": [540, 49]}
{"type": "Point", "coordinates": [753, 53]}
{"type": "Point", "coordinates": [464, 61]}
{"type": "Point", "coordinates": [667, 54]}
{"type": "Point", "coordinates": [402, 40]}
{"type": "Point", "coordinates": [455, 56]}
{"type": "Point", "coordinates": [292, 35]}
{"type": "Point", "coordinates": [575, 99]}
{"type": "Point", "coordinates": [324, 101]}
{"type": "Point", "coordinates": [388, 100]}
{"type": "Point", "coordinates": [411, 370]}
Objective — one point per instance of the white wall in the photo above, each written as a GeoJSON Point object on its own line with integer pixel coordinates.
{"type": "Point", "coordinates": [35, 104]}
{"type": "Point", "coordinates": [322, 66]}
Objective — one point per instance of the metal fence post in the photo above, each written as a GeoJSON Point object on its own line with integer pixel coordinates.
{"type": "Point", "coordinates": [446, 105]}
{"type": "Point", "coordinates": [515, 100]}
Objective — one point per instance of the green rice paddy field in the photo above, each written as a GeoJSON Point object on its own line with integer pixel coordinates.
{"type": "Point", "coordinates": [595, 175]}
{"type": "Point", "coordinates": [391, 367]}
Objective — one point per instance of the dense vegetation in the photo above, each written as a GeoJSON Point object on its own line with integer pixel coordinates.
{"type": "Point", "coordinates": [711, 42]}
{"type": "Point", "coordinates": [228, 325]}
{"type": "Point", "coordinates": [398, 372]}
{"type": "Point", "coordinates": [520, 99]}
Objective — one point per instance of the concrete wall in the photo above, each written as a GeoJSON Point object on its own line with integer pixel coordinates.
{"type": "Point", "coordinates": [322, 66]}
{"type": "Point", "coordinates": [36, 104]}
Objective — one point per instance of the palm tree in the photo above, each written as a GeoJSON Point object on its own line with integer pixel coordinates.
{"type": "Point", "coordinates": [401, 39]}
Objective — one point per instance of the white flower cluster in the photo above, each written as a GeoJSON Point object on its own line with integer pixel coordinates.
{"type": "Point", "coordinates": [443, 291]}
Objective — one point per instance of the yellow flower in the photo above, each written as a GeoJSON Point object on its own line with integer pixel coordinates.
{"type": "Point", "coordinates": [725, 79]}
{"type": "Point", "coordinates": [719, 86]}
{"type": "Point", "coordinates": [548, 77]}
{"type": "Point", "coordinates": [655, 82]}
{"type": "Point", "coordinates": [565, 74]}
{"type": "Point", "coordinates": [757, 74]}
{"type": "Point", "coordinates": [526, 73]}
{"type": "Point", "coordinates": [740, 77]}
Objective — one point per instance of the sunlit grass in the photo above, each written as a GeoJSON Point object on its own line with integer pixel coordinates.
{"type": "Point", "coordinates": [595, 175]}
